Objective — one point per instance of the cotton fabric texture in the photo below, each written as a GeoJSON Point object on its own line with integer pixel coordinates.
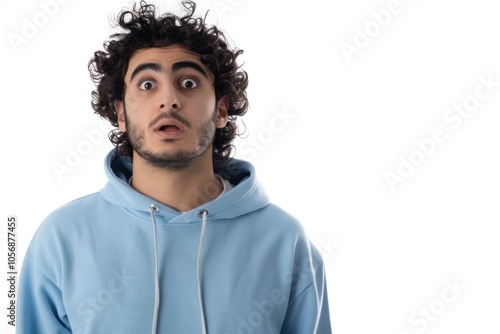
{"type": "Point", "coordinates": [90, 267]}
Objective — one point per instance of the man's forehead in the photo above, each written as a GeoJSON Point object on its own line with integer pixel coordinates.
{"type": "Point", "coordinates": [166, 56]}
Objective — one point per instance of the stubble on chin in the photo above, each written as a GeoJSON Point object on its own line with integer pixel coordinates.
{"type": "Point", "coordinates": [179, 159]}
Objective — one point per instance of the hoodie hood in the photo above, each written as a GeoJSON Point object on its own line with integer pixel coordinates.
{"type": "Point", "coordinates": [246, 196]}
{"type": "Point", "coordinates": [118, 261]}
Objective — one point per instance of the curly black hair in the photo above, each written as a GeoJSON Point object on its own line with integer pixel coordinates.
{"type": "Point", "coordinates": [143, 29]}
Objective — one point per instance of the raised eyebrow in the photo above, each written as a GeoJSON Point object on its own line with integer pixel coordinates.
{"type": "Point", "coordinates": [189, 64]}
{"type": "Point", "coordinates": [146, 66]}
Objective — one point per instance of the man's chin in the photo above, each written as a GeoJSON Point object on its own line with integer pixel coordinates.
{"type": "Point", "coordinates": [169, 160]}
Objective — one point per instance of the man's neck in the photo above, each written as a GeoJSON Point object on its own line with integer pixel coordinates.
{"type": "Point", "coordinates": [182, 190]}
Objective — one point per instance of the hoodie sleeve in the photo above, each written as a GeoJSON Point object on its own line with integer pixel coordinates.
{"type": "Point", "coordinates": [308, 312]}
{"type": "Point", "coordinates": [40, 305]}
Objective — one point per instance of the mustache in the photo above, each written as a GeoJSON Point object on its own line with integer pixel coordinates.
{"type": "Point", "coordinates": [170, 114]}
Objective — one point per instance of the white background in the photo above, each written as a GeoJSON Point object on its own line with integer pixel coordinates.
{"type": "Point", "coordinates": [388, 252]}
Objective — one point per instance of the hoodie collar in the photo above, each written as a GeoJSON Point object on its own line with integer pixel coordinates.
{"type": "Point", "coordinates": [246, 196]}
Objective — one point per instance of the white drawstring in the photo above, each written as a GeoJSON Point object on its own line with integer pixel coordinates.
{"type": "Point", "coordinates": [203, 214]}
{"type": "Point", "coordinates": [153, 209]}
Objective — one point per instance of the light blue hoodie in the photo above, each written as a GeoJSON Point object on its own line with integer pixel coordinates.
{"type": "Point", "coordinates": [235, 265]}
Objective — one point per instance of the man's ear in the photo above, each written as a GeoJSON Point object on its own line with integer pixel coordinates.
{"type": "Point", "coordinates": [222, 113]}
{"type": "Point", "coordinates": [120, 112]}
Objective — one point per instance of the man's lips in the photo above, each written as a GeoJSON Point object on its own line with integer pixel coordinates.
{"type": "Point", "coordinates": [169, 128]}
{"type": "Point", "coordinates": [169, 125]}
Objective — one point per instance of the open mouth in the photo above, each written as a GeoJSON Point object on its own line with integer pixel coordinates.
{"type": "Point", "coordinates": [169, 128]}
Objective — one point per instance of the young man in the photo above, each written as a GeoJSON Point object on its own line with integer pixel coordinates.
{"type": "Point", "coordinates": [182, 239]}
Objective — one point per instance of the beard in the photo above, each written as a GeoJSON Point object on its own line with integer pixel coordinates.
{"type": "Point", "coordinates": [177, 160]}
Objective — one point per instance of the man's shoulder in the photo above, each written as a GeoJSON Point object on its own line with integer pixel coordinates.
{"type": "Point", "coordinates": [279, 218]}
{"type": "Point", "coordinates": [290, 229]}
{"type": "Point", "coordinates": [62, 217]}
{"type": "Point", "coordinates": [78, 205]}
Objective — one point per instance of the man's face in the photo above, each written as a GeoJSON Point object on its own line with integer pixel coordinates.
{"type": "Point", "coordinates": [169, 111]}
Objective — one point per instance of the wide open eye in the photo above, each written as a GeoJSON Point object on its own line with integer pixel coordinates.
{"type": "Point", "coordinates": [188, 83]}
{"type": "Point", "coordinates": [147, 85]}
